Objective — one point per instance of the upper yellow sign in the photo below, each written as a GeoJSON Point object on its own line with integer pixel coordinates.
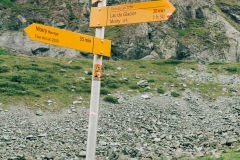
{"type": "Point", "coordinates": [131, 13]}
{"type": "Point", "coordinates": [64, 38]}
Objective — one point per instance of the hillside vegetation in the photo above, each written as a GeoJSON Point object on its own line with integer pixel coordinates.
{"type": "Point", "coordinates": [34, 80]}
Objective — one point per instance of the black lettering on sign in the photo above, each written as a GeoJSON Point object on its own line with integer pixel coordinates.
{"type": "Point", "coordinates": [129, 13]}
{"type": "Point", "coordinates": [41, 29]}
{"type": "Point", "coordinates": [54, 33]}
{"type": "Point", "coordinates": [55, 40]}
{"type": "Point", "coordinates": [117, 21]}
{"type": "Point", "coordinates": [83, 39]}
{"type": "Point", "coordinates": [115, 15]}
{"type": "Point", "coordinates": [37, 36]}
{"type": "Point", "coordinates": [88, 40]}
{"type": "Point", "coordinates": [158, 16]}
{"type": "Point", "coordinates": [46, 38]}
{"type": "Point", "coordinates": [158, 10]}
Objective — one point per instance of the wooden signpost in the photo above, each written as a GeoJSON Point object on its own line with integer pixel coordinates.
{"type": "Point", "coordinates": [64, 38]}
{"type": "Point", "coordinates": [131, 13]}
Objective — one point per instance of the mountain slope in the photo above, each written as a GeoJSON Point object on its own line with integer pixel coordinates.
{"type": "Point", "coordinates": [202, 30]}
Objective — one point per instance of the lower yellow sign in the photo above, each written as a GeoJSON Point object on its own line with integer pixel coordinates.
{"type": "Point", "coordinates": [154, 11]}
{"type": "Point", "coordinates": [64, 38]}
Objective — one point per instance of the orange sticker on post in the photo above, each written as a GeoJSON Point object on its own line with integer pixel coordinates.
{"type": "Point", "coordinates": [97, 72]}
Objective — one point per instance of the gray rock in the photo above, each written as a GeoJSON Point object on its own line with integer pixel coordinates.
{"type": "Point", "coordinates": [31, 137]}
{"type": "Point", "coordinates": [178, 153]}
{"type": "Point", "coordinates": [50, 155]}
{"type": "Point", "coordinates": [157, 139]}
{"type": "Point", "coordinates": [142, 83]}
{"type": "Point", "coordinates": [231, 140]}
{"type": "Point", "coordinates": [77, 102]}
{"type": "Point", "coordinates": [145, 96]}
{"type": "Point", "coordinates": [39, 113]}
{"type": "Point", "coordinates": [82, 154]}
{"type": "Point", "coordinates": [42, 135]}
{"type": "Point", "coordinates": [153, 55]}
{"type": "Point", "coordinates": [237, 150]}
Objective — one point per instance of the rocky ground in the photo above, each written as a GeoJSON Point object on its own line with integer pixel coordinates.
{"type": "Point", "coordinates": [140, 127]}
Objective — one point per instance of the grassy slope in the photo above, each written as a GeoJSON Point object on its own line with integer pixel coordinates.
{"type": "Point", "coordinates": [34, 80]}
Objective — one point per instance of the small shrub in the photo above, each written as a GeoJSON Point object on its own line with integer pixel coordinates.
{"type": "Point", "coordinates": [108, 67]}
{"type": "Point", "coordinates": [151, 80]}
{"type": "Point", "coordinates": [134, 86]}
{"type": "Point", "coordinates": [216, 63]}
{"type": "Point", "coordinates": [232, 69]}
{"type": "Point", "coordinates": [104, 92]}
{"type": "Point", "coordinates": [193, 68]}
{"type": "Point", "coordinates": [113, 85]}
{"type": "Point", "coordinates": [89, 72]}
{"type": "Point", "coordinates": [173, 62]}
{"type": "Point", "coordinates": [36, 65]}
{"type": "Point", "coordinates": [142, 67]}
{"type": "Point", "coordinates": [103, 84]}
{"type": "Point", "coordinates": [111, 99]}
{"type": "Point", "coordinates": [175, 94]}
{"type": "Point", "coordinates": [16, 79]}
{"type": "Point", "coordinates": [161, 90]}
{"type": "Point", "coordinates": [38, 69]}
{"type": "Point", "coordinates": [4, 69]}
{"type": "Point", "coordinates": [168, 62]}
{"type": "Point", "coordinates": [4, 52]}
{"type": "Point", "coordinates": [12, 86]}
{"type": "Point", "coordinates": [72, 17]}
{"type": "Point", "coordinates": [7, 3]}
{"type": "Point", "coordinates": [67, 66]}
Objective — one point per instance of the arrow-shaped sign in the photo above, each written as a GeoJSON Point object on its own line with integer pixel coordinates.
{"type": "Point", "coordinates": [64, 38]}
{"type": "Point", "coordinates": [131, 13]}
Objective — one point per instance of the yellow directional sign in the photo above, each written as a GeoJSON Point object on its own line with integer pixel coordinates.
{"type": "Point", "coordinates": [153, 11]}
{"type": "Point", "coordinates": [64, 38]}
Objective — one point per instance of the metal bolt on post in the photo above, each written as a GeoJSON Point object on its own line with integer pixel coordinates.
{"type": "Point", "coordinates": [94, 102]}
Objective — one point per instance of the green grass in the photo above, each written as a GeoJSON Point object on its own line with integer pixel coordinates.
{"type": "Point", "coordinates": [4, 52]}
{"type": "Point", "coordinates": [34, 80]}
{"type": "Point", "coordinates": [7, 3]}
{"type": "Point", "coordinates": [30, 7]}
{"type": "Point", "coordinates": [225, 156]}
{"type": "Point", "coordinates": [196, 31]}
{"type": "Point", "coordinates": [22, 7]}
{"type": "Point", "coordinates": [113, 32]}
{"type": "Point", "coordinates": [231, 156]}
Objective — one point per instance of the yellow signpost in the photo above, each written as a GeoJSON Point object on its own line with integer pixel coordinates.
{"type": "Point", "coordinates": [100, 16]}
{"type": "Point", "coordinates": [131, 13]}
{"type": "Point", "coordinates": [64, 38]}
